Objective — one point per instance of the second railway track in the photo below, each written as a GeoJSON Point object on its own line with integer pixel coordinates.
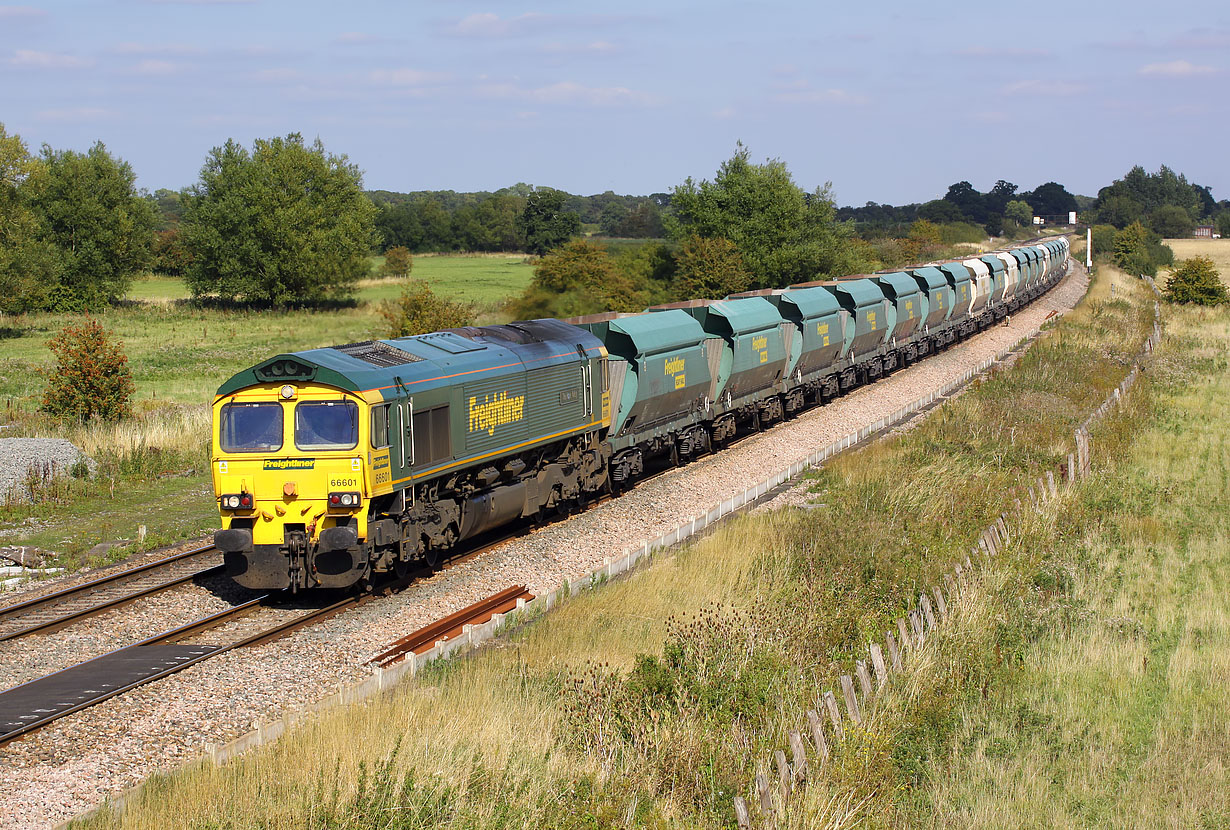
{"type": "Point", "coordinates": [49, 612]}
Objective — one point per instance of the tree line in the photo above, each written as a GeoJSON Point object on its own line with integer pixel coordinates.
{"type": "Point", "coordinates": [287, 222]}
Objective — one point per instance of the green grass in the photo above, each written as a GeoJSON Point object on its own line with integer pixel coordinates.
{"type": "Point", "coordinates": [486, 280]}
{"type": "Point", "coordinates": [1117, 715]}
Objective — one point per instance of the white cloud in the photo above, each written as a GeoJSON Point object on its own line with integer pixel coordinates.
{"type": "Point", "coordinates": [1175, 69]}
{"type": "Point", "coordinates": [360, 38]}
{"type": "Point", "coordinates": [571, 93]}
{"type": "Point", "coordinates": [803, 94]}
{"type": "Point", "coordinates": [598, 47]}
{"type": "Point", "coordinates": [48, 60]}
{"type": "Point", "coordinates": [21, 13]}
{"type": "Point", "coordinates": [176, 49]}
{"type": "Point", "coordinates": [277, 75]}
{"type": "Point", "coordinates": [155, 68]}
{"type": "Point", "coordinates": [1039, 87]}
{"type": "Point", "coordinates": [489, 24]}
{"type": "Point", "coordinates": [407, 77]}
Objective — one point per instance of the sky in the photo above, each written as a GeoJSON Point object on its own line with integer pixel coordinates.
{"type": "Point", "coordinates": [889, 101]}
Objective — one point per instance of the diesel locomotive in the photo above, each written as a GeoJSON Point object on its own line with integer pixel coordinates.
{"type": "Point", "coordinates": [333, 464]}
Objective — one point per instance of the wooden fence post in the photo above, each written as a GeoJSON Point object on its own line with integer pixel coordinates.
{"type": "Point", "coordinates": [830, 703]}
{"type": "Point", "coordinates": [799, 754]}
{"type": "Point", "coordinates": [939, 601]}
{"type": "Point", "coordinates": [905, 633]}
{"type": "Point", "coordinates": [926, 607]}
{"type": "Point", "coordinates": [894, 653]}
{"type": "Point", "coordinates": [741, 817]}
{"type": "Point", "coordinates": [864, 678]}
{"type": "Point", "coordinates": [817, 734]}
{"type": "Point", "coordinates": [1050, 483]}
{"type": "Point", "coordinates": [783, 773]}
{"type": "Point", "coordinates": [847, 689]}
{"type": "Point", "coordinates": [766, 797]}
{"type": "Point", "coordinates": [877, 662]}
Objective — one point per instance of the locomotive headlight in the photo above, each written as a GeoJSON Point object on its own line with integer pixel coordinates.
{"type": "Point", "coordinates": [236, 501]}
{"type": "Point", "coordinates": [344, 501]}
{"type": "Point", "coordinates": [287, 392]}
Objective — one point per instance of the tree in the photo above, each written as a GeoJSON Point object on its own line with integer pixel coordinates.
{"type": "Point", "coordinates": [613, 216]}
{"type": "Point", "coordinates": [644, 221]}
{"type": "Point", "coordinates": [709, 267]}
{"type": "Point", "coordinates": [968, 201]}
{"type": "Point", "coordinates": [1020, 212]}
{"type": "Point", "coordinates": [1051, 199]}
{"type": "Point", "coordinates": [1119, 210]}
{"type": "Point", "coordinates": [544, 222]}
{"type": "Point", "coordinates": [1171, 221]}
{"type": "Point", "coordinates": [169, 254]}
{"type": "Point", "coordinates": [994, 225]}
{"type": "Point", "coordinates": [1196, 280]}
{"type": "Point", "coordinates": [285, 223]}
{"type": "Point", "coordinates": [1139, 193]}
{"type": "Point", "coordinates": [419, 311]}
{"type": "Point", "coordinates": [1223, 224]}
{"type": "Point", "coordinates": [1001, 194]}
{"type": "Point", "coordinates": [91, 376]}
{"type": "Point", "coordinates": [88, 207]}
{"type": "Point", "coordinates": [28, 263]}
{"type": "Point", "coordinates": [397, 262]}
{"type": "Point", "coordinates": [940, 211]}
{"type": "Point", "coordinates": [784, 234]}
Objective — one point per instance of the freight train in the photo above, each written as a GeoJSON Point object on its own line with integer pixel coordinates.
{"type": "Point", "coordinates": [334, 464]}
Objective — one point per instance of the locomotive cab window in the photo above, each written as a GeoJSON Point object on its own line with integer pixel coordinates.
{"type": "Point", "coordinates": [250, 427]}
{"type": "Point", "coordinates": [380, 427]}
{"type": "Point", "coordinates": [326, 425]}
{"type": "Point", "coordinates": [432, 441]}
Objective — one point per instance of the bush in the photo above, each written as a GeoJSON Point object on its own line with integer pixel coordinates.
{"type": "Point", "coordinates": [91, 377]}
{"type": "Point", "coordinates": [580, 278]}
{"type": "Point", "coordinates": [420, 311]}
{"type": "Point", "coordinates": [1196, 281]}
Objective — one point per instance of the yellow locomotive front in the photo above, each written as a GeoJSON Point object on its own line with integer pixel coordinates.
{"type": "Point", "coordinates": [290, 471]}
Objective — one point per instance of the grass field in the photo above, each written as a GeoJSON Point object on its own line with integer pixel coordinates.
{"type": "Point", "coordinates": [1117, 716]}
{"type": "Point", "coordinates": [652, 702]}
{"type": "Point", "coordinates": [179, 354]}
{"type": "Point", "coordinates": [486, 280]}
{"type": "Point", "coordinates": [1217, 250]}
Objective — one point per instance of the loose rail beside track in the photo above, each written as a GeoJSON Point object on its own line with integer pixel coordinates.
{"type": "Point", "coordinates": [453, 624]}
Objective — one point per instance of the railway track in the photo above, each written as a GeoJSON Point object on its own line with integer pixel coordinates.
{"type": "Point", "coordinates": [69, 605]}
{"type": "Point", "coordinates": [33, 705]}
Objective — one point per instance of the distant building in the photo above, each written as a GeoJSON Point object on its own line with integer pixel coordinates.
{"type": "Point", "coordinates": [1205, 231]}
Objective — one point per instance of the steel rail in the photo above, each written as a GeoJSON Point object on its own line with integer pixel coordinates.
{"type": "Point", "coordinates": [34, 603]}
{"type": "Point", "coordinates": [452, 625]}
{"type": "Point", "coordinates": [55, 623]}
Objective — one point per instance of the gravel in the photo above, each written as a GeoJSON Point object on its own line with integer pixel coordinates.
{"type": "Point", "coordinates": [47, 457]}
{"type": "Point", "coordinates": [71, 765]}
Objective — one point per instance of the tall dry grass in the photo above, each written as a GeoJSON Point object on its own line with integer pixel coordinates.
{"type": "Point", "coordinates": [1118, 716]}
